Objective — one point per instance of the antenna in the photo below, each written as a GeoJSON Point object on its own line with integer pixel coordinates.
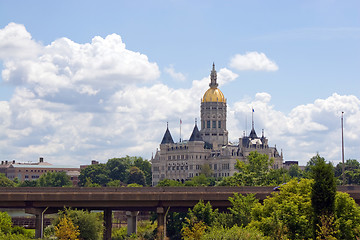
{"type": "Point", "coordinates": [245, 125]}
{"type": "Point", "coordinates": [180, 129]}
{"type": "Point", "coordinates": [342, 147]}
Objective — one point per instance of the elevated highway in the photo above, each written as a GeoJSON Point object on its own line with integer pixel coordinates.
{"type": "Point", "coordinates": [40, 201]}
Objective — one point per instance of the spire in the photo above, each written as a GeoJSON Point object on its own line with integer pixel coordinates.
{"type": "Point", "coordinates": [252, 133]}
{"type": "Point", "coordinates": [167, 136]}
{"type": "Point", "coordinates": [196, 135]}
{"type": "Point", "coordinates": [213, 78]}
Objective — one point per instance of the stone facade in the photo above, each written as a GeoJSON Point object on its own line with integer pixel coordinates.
{"type": "Point", "coordinates": [33, 171]}
{"type": "Point", "coordinates": [183, 160]}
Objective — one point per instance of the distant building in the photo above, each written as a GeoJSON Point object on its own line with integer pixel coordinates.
{"type": "Point", "coordinates": [183, 160]}
{"type": "Point", "coordinates": [32, 171]}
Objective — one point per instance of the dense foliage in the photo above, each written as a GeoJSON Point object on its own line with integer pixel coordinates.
{"type": "Point", "coordinates": [323, 193]}
{"type": "Point", "coordinates": [65, 229]}
{"type": "Point", "coordinates": [54, 179]}
{"type": "Point", "coordinates": [117, 172]}
{"type": "Point", "coordinates": [89, 225]}
{"type": "Point", "coordinates": [8, 232]}
{"type": "Point", "coordinates": [5, 182]}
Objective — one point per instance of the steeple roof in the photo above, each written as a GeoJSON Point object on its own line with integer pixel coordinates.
{"type": "Point", "coordinates": [213, 78]}
{"type": "Point", "coordinates": [167, 137]}
{"type": "Point", "coordinates": [213, 94]}
{"type": "Point", "coordinates": [195, 136]}
{"type": "Point", "coordinates": [253, 134]}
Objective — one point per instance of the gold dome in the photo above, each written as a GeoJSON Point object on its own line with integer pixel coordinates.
{"type": "Point", "coordinates": [213, 95]}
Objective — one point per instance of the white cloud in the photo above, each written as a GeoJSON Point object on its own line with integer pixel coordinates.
{"type": "Point", "coordinates": [307, 129]}
{"type": "Point", "coordinates": [77, 102]}
{"type": "Point", "coordinates": [175, 75]}
{"type": "Point", "coordinates": [225, 76]}
{"type": "Point", "coordinates": [16, 43]}
{"type": "Point", "coordinates": [253, 61]}
{"type": "Point", "coordinates": [64, 64]}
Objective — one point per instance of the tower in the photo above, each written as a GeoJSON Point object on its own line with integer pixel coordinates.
{"type": "Point", "coordinates": [213, 114]}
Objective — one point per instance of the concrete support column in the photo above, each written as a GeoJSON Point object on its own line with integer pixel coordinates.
{"type": "Point", "coordinates": [38, 225]}
{"type": "Point", "coordinates": [131, 222]}
{"type": "Point", "coordinates": [39, 220]}
{"type": "Point", "coordinates": [107, 223]}
{"type": "Point", "coordinates": [161, 219]}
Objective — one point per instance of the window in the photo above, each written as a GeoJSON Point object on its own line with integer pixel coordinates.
{"type": "Point", "coordinates": [226, 166]}
{"type": "Point", "coordinates": [215, 166]}
{"type": "Point", "coordinates": [214, 124]}
{"type": "Point", "coordinates": [219, 124]}
{"type": "Point", "coordinates": [203, 125]}
{"type": "Point", "coordinates": [208, 124]}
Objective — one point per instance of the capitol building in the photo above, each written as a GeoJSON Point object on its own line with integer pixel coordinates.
{"type": "Point", "coordinates": [183, 160]}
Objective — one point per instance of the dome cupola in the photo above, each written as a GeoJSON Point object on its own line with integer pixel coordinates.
{"type": "Point", "coordinates": [213, 94]}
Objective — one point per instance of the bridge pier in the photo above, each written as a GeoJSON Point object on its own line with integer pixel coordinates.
{"type": "Point", "coordinates": [39, 220]}
{"type": "Point", "coordinates": [161, 220]}
{"type": "Point", "coordinates": [131, 222]}
{"type": "Point", "coordinates": [107, 223]}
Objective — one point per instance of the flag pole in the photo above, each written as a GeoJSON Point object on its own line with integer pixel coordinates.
{"type": "Point", "coordinates": [180, 129]}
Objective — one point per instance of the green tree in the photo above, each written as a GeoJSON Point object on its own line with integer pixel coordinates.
{"type": "Point", "coordinates": [203, 212]}
{"type": "Point", "coordinates": [28, 183]}
{"type": "Point", "coordinates": [323, 190]}
{"type": "Point", "coordinates": [136, 176]}
{"type": "Point", "coordinates": [287, 213]}
{"type": "Point", "coordinates": [97, 174]}
{"type": "Point", "coordinates": [253, 173]}
{"type": "Point", "coordinates": [114, 183]}
{"type": "Point", "coordinates": [118, 168]}
{"type": "Point", "coordinates": [145, 166]}
{"type": "Point", "coordinates": [5, 223]}
{"type": "Point", "coordinates": [233, 233]}
{"type": "Point", "coordinates": [5, 182]}
{"type": "Point", "coordinates": [90, 224]}
{"type": "Point", "coordinates": [200, 180]}
{"type": "Point", "coordinates": [352, 171]}
{"type": "Point", "coordinates": [347, 216]}
{"type": "Point", "coordinates": [242, 207]}
{"type": "Point", "coordinates": [193, 230]}
{"type": "Point", "coordinates": [275, 177]}
{"type": "Point", "coordinates": [169, 183]}
{"type": "Point", "coordinates": [295, 171]}
{"type": "Point", "coordinates": [175, 221]}
{"type": "Point", "coordinates": [54, 179]}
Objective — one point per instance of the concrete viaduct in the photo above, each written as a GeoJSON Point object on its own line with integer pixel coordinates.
{"type": "Point", "coordinates": [40, 201]}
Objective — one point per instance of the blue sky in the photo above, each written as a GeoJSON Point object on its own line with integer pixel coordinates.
{"type": "Point", "coordinates": [86, 80]}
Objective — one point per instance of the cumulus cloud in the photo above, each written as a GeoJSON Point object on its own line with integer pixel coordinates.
{"type": "Point", "coordinates": [64, 64]}
{"type": "Point", "coordinates": [307, 129]}
{"type": "Point", "coordinates": [253, 61]}
{"type": "Point", "coordinates": [77, 102]}
{"type": "Point", "coordinates": [175, 75]}
{"type": "Point", "coordinates": [17, 43]}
